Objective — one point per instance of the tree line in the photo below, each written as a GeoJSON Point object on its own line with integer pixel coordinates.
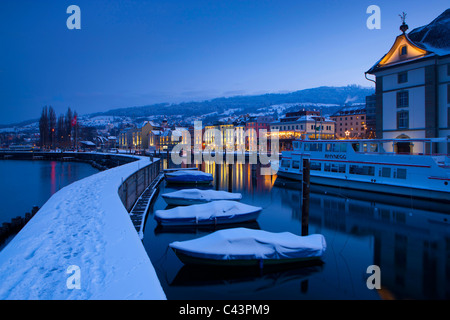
{"type": "Point", "coordinates": [57, 131]}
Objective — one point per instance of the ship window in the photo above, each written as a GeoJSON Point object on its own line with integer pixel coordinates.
{"type": "Point", "coordinates": [327, 167]}
{"type": "Point", "coordinates": [342, 168]}
{"type": "Point", "coordinates": [285, 163]}
{"type": "Point", "coordinates": [313, 147]}
{"type": "Point", "coordinates": [296, 145]}
{"type": "Point", "coordinates": [343, 147]}
{"type": "Point", "coordinates": [355, 146]}
{"type": "Point", "coordinates": [385, 172]}
{"type": "Point", "coordinates": [295, 164]}
{"type": "Point", "coordinates": [362, 170]}
{"type": "Point", "coordinates": [400, 174]}
{"type": "Point", "coordinates": [317, 166]}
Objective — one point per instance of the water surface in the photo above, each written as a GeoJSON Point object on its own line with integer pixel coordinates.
{"type": "Point", "coordinates": [406, 239]}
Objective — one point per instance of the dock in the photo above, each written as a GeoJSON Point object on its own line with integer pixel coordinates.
{"type": "Point", "coordinates": [138, 213]}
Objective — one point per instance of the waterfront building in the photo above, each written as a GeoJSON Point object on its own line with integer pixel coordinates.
{"type": "Point", "coordinates": [209, 137]}
{"type": "Point", "coordinates": [126, 138]}
{"type": "Point", "coordinates": [351, 122]}
{"type": "Point", "coordinates": [253, 127]}
{"type": "Point", "coordinates": [302, 125]}
{"type": "Point", "coordinates": [153, 140]}
{"type": "Point", "coordinates": [412, 89]}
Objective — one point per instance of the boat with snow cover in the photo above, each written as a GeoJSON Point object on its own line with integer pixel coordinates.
{"type": "Point", "coordinates": [188, 177]}
{"type": "Point", "coordinates": [211, 213]}
{"type": "Point", "coordinates": [248, 247]}
{"type": "Point", "coordinates": [187, 197]}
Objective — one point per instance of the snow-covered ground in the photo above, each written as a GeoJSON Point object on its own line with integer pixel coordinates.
{"type": "Point", "coordinates": [81, 238]}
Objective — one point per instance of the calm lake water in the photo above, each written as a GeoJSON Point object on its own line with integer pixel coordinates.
{"type": "Point", "coordinates": [409, 243]}
{"type": "Point", "coordinates": [25, 184]}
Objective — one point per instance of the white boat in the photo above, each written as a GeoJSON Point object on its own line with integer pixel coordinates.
{"type": "Point", "coordinates": [187, 197]}
{"type": "Point", "coordinates": [188, 177]}
{"type": "Point", "coordinates": [180, 169]}
{"type": "Point", "coordinates": [365, 165]}
{"type": "Point", "coordinates": [248, 247]}
{"type": "Point", "coordinates": [211, 213]}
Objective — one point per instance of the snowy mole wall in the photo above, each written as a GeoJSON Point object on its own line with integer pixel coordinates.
{"type": "Point", "coordinates": [81, 245]}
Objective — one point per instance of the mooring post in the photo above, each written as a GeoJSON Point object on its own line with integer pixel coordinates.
{"type": "Point", "coordinates": [216, 171]}
{"type": "Point", "coordinates": [305, 196]}
{"type": "Point", "coordinates": [230, 177]}
{"type": "Point", "coordinates": [167, 159]}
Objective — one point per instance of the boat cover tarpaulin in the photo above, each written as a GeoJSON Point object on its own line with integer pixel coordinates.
{"type": "Point", "coordinates": [202, 195]}
{"type": "Point", "coordinates": [188, 176]}
{"type": "Point", "coordinates": [207, 211]}
{"type": "Point", "coordinates": [243, 243]}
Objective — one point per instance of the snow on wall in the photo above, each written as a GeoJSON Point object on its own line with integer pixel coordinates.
{"type": "Point", "coordinates": [81, 245]}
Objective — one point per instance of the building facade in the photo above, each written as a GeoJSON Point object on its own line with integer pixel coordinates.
{"type": "Point", "coordinates": [351, 122]}
{"type": "Point", "coordinates": [412, 92]}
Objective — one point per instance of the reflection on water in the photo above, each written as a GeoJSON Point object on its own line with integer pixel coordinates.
{"type": "Point", "coordinates": [25, 184]}
{"type": "Point", "coordinates": [410, 244]}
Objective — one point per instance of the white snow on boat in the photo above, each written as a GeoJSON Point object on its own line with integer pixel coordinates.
{"type": "Point", "coordinates": [189, 177]}
{"type": "Point", "coordinates": [211, 213]}
{"type": "Point", "coordinates": [197, 196]}
{"type": "Point", "coordinates": [242, 246]}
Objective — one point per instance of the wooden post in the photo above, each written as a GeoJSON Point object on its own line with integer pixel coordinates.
{"type": "Point", "coordinates": [217, 169]}
{"type": "Point", "coordinates": [230, 177]}
{"type": "Point", "coordinates": [305, 197]}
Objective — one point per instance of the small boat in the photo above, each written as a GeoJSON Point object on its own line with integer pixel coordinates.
{"type": "Point", "coordinates": [248, 247]}
{"type": "Point", "coordinates": [188, 177]}
{"type": "Point", "coordinates": [196, 196]}
{"type": "Point", "coordinates": [211, 213]}
{"type": "Point", "coordinates": [180, 169]}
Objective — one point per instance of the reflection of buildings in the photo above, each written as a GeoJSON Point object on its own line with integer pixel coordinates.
{"type": "Point", "coordinates": [411, 247]}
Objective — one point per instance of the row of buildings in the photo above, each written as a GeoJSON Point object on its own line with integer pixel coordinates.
{"type": "Point", "coordinates": [244, 133]}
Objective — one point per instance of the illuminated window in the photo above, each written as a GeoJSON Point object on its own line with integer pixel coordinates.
{"type": "Point", "coordinates": [403, 50]}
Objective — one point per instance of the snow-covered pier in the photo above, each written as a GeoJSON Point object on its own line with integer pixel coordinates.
{"type": "Point", "coordinates": [82, 245]}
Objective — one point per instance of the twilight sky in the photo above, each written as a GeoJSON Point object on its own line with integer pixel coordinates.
{"type": "Point", "coordinates": [131, 53]}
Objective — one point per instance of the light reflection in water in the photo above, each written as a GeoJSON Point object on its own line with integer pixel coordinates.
{"type": "Point", "coordinates": [410, 243]}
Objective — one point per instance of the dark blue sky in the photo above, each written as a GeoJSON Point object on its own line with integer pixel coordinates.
{"type": "Point", "coordinates": [131, 53]}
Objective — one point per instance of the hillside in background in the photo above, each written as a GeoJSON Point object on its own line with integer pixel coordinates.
{"type": "Point", "coordinates": [337, 96]}
{"type": "Point", "coordinates": [327, 99]}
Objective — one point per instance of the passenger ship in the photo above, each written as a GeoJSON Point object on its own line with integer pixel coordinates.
{"type": "Point", "coordinates": [365, 165]}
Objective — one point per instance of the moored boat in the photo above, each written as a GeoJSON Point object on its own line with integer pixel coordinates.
{"type": "Point", "coordinates": [211, 213]}
{"type": "Point", "coordinates": [365, 165]}
{"type": "Point", "coordinates": [248, 247]}
{"type": "Point", "coordinates": [188, 177]}
{"type": "Point", "coordinates": [196, 196]}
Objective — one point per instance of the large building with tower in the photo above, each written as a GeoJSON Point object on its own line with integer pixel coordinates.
{"type": "Point", "coordinates": [412, 92]}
